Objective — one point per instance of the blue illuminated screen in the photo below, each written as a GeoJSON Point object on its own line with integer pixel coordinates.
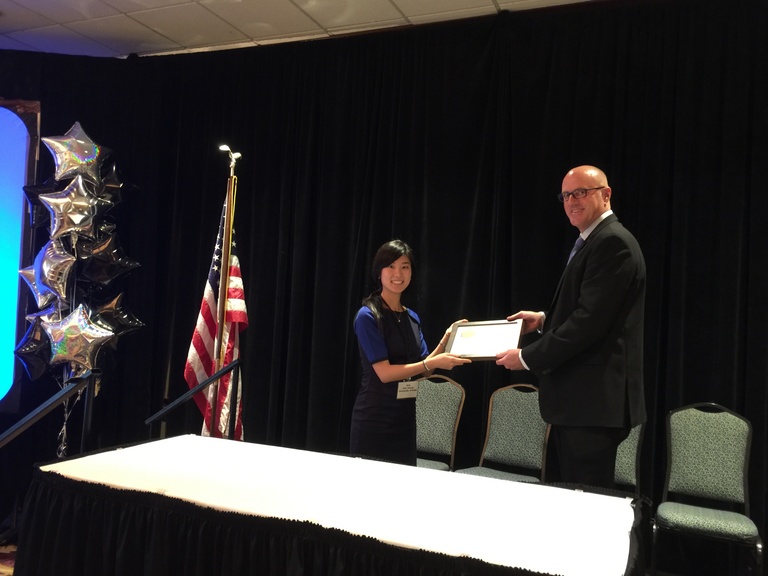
{"type": "Point", "coordinates": [13, 147]}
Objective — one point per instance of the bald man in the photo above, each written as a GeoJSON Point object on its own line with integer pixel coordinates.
{"type": "Point", "coordinates": [589, 358]}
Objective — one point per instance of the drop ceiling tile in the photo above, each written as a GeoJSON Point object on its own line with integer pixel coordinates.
{"type": "Point", "coordinates": [367, 27]}
{"type": "Point", "coordinates": [413, 8]}
{"type": "Point", "coordinates": [122, 27]}
{"type": "Point", "coordinates": [14, 16]}
{"type": "Point", "coordinates": [63, 11]}
{"type": "Point", "coordinates": [293, 38]}
{"type": "Point", "coordinates": [531, 4]}
{"type": "Point", "coordinates": [344, 13]}
{"type": "Point", "coordinates": [7, 43]}
{"type": "Point", "coordinates": [217, 48]}
{"type": "Point", "coordinates": [123, 35]}
{"type": "Point", "coordinates": [454, 15]}
{"type": "Point", "coordinates": [263, 18]}
{"type": "Point", "coordinates": [127, 6]}
{"type": "Point", "coordinates": [189, 25]}
{"type": "Point", "coordinates": [60, 40]}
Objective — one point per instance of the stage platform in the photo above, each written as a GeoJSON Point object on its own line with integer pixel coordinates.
{"type": "Point", "coordinates": [195, 505]}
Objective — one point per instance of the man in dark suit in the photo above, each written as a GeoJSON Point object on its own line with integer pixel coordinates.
{"type": "Point", "coordinates": [589, 359]}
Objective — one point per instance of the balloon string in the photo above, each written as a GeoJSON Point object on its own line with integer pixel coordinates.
{"type": "Point", "coordinates": [73, 285]}
{"type": "Point", "coordinates": [61, 451]}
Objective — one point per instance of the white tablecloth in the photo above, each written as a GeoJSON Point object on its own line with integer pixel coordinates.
{"type": "Point", "coordinates": [539, 528]}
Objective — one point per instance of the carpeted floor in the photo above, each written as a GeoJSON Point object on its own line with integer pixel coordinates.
{"type": "Point", "coordinates": [7, 557]}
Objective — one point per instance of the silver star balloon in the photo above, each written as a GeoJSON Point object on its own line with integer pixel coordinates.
{"type": "Point", "coordinates": [117, 318]}
{"type": "Point", "coordinates": [38, 215]}
{"type": "Point", "coordinates": [73, 209]}
{"type": "Point", "coordinates": [76, 338]}
{"type": "Point", "coordinates": [42, 295]}
{"type": "Point", "coordinates": [104, 259]}
{"type": "Point", "coordinates": [111, 185]}
{"type": "Point", "coordinates": [53, 265]}
{"type": "Point", "coordinates": [75, 153]}
{"type": "Point", "coordinates": [34, 350]}
{"type": "Point", "coordinates": [52, 312]}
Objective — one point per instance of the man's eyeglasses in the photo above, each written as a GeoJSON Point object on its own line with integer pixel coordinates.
{"type": "Point", "coordinates": [578, 193]}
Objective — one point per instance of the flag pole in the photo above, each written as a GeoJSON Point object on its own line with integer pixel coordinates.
{"type": "Point", "coordinates": [226, 251]}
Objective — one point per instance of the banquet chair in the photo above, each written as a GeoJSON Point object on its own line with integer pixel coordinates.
{"type": "Point", "coordinates": [516, 436]}
{"type": "Point", "coordinates": [627, 470]}
{"type": "Point", "coordinates": [705, 491]}
{"type": "Point", "coordinates": [439, 402]}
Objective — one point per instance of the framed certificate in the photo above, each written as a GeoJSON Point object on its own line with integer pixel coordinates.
{"type": "Point", "coordinates": [483, 340]}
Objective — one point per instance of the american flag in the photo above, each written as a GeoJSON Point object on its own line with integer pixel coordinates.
{"type": "Point", "coordinates": [201, 361]}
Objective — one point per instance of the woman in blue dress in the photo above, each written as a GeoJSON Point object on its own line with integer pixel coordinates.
{"type": "Point", "coordinates": [394, 356]}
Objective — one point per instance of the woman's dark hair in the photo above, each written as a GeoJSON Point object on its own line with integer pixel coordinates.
{"type": "Point", "coordinates": [385, 255]}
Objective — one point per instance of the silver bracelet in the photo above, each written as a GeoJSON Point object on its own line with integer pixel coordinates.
{"type": "Point", "coordinates": [425, 365]}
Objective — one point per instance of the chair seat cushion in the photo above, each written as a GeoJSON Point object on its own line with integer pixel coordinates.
{"type": "Point", "coordinates": [708, 522]}
{"type": "Point", "coordinates": [432, 464]}
{"type": "Point", "coordinates": [493, 473]}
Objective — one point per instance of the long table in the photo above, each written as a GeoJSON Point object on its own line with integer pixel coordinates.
{"type": "Point", "coordinates": [196, 505]}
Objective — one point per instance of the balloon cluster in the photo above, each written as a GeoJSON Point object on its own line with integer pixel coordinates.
{"type": "Point", "coordinates": [71, 278]}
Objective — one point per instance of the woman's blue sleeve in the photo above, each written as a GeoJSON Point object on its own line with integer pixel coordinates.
{"type": "Point", "coordinates": [369, 336]}
{"type": "Point", "coordinates": [422, 342]}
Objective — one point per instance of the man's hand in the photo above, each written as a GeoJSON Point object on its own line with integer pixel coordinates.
{"type": "Point", "coordinates": [510, 359]}
{"type": "Point", "coordinates": [531, 320]}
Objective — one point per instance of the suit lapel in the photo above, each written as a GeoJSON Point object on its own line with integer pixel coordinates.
{"type": "Point", "coordinates": [594, 234]}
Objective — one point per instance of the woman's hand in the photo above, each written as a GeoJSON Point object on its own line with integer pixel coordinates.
{"type": "Point", "coordinates": [447, 335]}
{"type": "Point", "coordinates": [446, 361]}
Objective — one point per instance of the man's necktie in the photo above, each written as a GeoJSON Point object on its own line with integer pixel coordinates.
{"type": "Point", "coordinates": [576, 247]}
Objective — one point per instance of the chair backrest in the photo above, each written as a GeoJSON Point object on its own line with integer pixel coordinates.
{"type": "Point", "coordinates": [708, 453]}
{"type": "Point", "coordinates": [628, 458]}
{"type": "Point", "coordinates": [516, 433]}
{"type": "Point", "coordinates": [439, 402]}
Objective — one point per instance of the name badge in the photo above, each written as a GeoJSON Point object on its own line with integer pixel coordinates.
{"type": "Point", "coordinates": [407, 389]}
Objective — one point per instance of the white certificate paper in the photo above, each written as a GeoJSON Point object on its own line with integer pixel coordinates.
{"type": "Point", "coordinates": [483, 340]}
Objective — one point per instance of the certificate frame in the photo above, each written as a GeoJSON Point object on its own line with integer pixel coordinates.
{"type": "Point", "coordinates": [483, 340]}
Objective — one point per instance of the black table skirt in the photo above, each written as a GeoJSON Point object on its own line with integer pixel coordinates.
{"type": "Point", "coordinates": [75, 528]}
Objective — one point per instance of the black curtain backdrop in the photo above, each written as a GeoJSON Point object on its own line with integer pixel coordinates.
{"type": "Point", "coordinates": [454, 137]}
